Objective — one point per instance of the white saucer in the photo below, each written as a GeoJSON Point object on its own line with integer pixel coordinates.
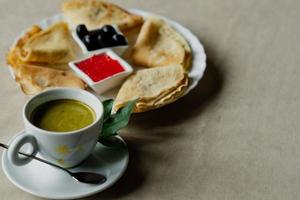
{"type": "Point", "coordinates": [48, 182]}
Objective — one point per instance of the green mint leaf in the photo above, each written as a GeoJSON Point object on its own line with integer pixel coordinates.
{"type": "Point", "coordinates": [111, 141]}
{"type": "Point", "coordinates": [118, 120]}
{"type": "Point", "coordinates": [107, 105]}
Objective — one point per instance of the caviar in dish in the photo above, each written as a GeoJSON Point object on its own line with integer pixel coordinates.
{"type": "Point", "coordinates": [99, 67]}
{"type": "Point", "coordinates": [102, 71]}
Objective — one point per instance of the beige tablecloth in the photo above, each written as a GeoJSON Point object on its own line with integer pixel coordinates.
{"type": "Point", "coordinates": [236, 136]}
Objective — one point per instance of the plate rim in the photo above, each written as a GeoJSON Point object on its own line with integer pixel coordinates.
{"type": "Point", "coordinates": [32, 192]}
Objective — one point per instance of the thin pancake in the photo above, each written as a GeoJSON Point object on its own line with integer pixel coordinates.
{"type": "Point", "coordinates": [160, 102]}
{"type": "Point", "coordinates": [96, 13]}
{"type": "Point", "coordinates": [34, 77]}
{"type": "Point", "coordinates": [53, 45]}
{"type": "Point", "coordinates": [158, 44]}
{"type": "Point", "coordinates": [152, 86]}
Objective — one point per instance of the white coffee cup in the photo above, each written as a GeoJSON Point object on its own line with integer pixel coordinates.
{"type": "Point", "coordinates": [66, 149]}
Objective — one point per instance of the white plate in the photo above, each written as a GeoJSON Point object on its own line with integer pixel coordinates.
{"type": "Point", "coordinates": [199, 56]}
{"type": "Point", "coordinates": [46, 181]}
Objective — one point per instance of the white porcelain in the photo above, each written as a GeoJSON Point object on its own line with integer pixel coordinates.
{"type": "Point", "coordinates": [109, 82]}
{"type": "Point", "coordinates": [117, 49]}
{"type": "Point", "coordinates": [48, 182]}
{"type": "Point", "coordinates": [66, 149]}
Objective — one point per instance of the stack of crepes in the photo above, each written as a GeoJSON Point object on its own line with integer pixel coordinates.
{"type": "Point", "coordinates": [153, 88]}
{"type": "Point", "coordinates": [39, 59]}
{"type": "Point", "coordinates": [160, 55]}
{"type": "Point", "coordinates": [166, 53]}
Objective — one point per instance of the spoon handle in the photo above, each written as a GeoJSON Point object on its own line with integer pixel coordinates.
{"type": "Point", "coordinates": [37, 158]}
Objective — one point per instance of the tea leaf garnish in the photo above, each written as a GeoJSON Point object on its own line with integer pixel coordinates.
{"type": "Point", "coordinates": [114, 122]}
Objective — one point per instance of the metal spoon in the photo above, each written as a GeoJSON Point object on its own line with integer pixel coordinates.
{"type": "Point", "coordinates": [84, 177]}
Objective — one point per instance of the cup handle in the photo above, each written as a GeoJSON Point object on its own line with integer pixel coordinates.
{"type": "Point", "coordinates": [16, 145]}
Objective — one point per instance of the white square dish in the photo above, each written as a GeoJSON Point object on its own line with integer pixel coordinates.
{"type": "Point", "coordinates": [107, 83]}
{"type": "Point", "coordinates": [120, 49]}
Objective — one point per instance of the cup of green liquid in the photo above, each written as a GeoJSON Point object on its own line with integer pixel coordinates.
{"type": "Point", "coordinates": [63, 124]}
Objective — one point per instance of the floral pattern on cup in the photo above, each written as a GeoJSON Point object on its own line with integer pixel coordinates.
{"type": "Point", "coordinates": [63, 149]}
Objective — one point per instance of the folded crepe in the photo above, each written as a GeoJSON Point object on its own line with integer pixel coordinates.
{"type": "Point", "coordinates": [96, 13]}
{"type": "Point", "coordinates": [34, 77]}
{"type": "Point", "coordinates": [158, 44]}
{"type": "Point", "coordinates": [153, 88]}
{"type": "Point", "coordinates": [53, 45]}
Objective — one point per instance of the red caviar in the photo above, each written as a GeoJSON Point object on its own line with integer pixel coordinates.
{"type": "Point", "coordinates": [100, 66]}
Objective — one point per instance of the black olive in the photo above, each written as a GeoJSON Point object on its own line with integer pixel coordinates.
{"type": "Point", "coordinates": [119, 39]}
{"type": "Point", "coordinates": [81, 30]}
{"type": "Point", "coordinates": [100, 41]}
{"type": "Point", "coordinates": [90, 41]}
{"type": "Point", "coordinates": [105, 40]}
{"type": "Point", "coordinates": [107, 30]}
{"type": "Point", "coordinates": [95, 32]}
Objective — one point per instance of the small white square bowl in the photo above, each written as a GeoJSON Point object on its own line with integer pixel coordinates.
{"type": "Point", "coordinates": [109, 82]}
{"type": "Point", "coordinates": [117, 49]}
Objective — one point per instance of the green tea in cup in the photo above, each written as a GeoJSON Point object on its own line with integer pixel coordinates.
{"type": "Point", "coordinates": [62, 115]}
{"type": "Point", "coordinates": [62, 124]}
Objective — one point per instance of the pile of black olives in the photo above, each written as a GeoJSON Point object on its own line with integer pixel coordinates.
{"type": "Point", "coordinates": [105, 37]}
